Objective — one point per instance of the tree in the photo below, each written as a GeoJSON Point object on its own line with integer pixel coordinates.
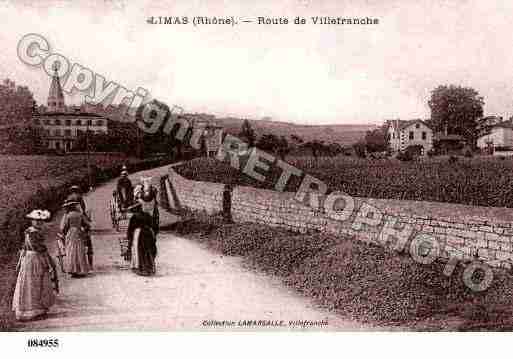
{"type": "Point", "coordinates": [296, 139]}
{"type": "Point", "coordinates": [283, 148]}
{"type": "Point", "coordinates": [334, 149]}
{"type": "Point", "coordinates": [457, 110]}
{"type": "Point", "coordinates": [21, 140]}
{"type": "Point", "coordinates": [376, 140]}
{"type": "Point", "coordinates": [360, 149]}
{"type": "Point", "coordinates": [16, 104]}
{"type": "Point", "coordinates": [316, 146]}
{"type": "Point", "coordinates": [247, 134]}
{"type": "Point", "coordinates": [274, 144]}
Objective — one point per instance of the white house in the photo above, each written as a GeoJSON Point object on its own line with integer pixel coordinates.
{"type": "Point", "coordinates": [500, 135]}
{"type": "Point", "coordinates": [403, 134]}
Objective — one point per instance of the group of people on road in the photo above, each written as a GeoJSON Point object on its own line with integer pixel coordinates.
{"type": "Point", "coordinates": [143, 225]}
{"type": "Point", "coordinates": [37, 279]}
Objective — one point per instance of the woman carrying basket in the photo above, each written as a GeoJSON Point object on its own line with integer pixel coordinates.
{"type": "Point", "coordinates": [142, 247]}
{"type": "Point", "coordinates": [37, 275]}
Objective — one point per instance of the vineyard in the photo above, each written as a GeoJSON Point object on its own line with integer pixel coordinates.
{"type": "Point", "coordinates": [481, 181]}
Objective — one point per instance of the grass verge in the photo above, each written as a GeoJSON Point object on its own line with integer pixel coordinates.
{"type": "Point", "coordinates": [361, 281]}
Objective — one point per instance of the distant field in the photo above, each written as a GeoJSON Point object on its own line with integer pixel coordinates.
{"type": "Point", "coordinates": [342, 134]}
{"type": "Point", "coordinates": [483, 181]}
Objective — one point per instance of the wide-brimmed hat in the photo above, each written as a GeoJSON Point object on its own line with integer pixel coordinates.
{"type": "Point", "coordinates": [74, 188]}
{"type": "Point", "coordinates": [39, 214]}
{"type": "Point", "coordinates": [68, 203]}
{"type": "Point", "coordinates": [124, 173]}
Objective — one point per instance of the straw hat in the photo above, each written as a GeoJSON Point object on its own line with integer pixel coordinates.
{"type": "Point", "coordinates": [38, 214]}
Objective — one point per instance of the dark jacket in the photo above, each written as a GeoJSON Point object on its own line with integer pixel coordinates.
{"type": "Point", "coordinates": [147, 237]}
{"type": "Point", "coordinates": [125, 191]}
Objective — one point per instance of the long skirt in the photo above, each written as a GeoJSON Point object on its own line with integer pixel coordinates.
{"type": "Point", "coordinates": [33, 295]}
{"type": "Point", "coordinates": [143, 253]}
{"type": "Point", "coordinates": [75, 261]}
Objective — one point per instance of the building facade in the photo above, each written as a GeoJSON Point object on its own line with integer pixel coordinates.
{"type": "Point", "coordinates": [60, 126]}
{"type": "Point", "coordinates": [60, 130]}
{"type": "Point", "coordinates": [499, 136]}
{"type": "Point", "coordinates": [403, 134]}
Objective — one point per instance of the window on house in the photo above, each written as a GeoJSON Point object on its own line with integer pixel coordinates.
{"type": "Point", "coordinates": [79, 123]}
{"type": "Point", "coordinates": [57, 132]}
{"type": "Point", "coordinates": [58, 122]}
{"type": "Point", "coordinates": [36, 121]}
{"type": "Point", "coordinates": [417, 125]}
{"type": "Point", "coordinates": [89, 122]}
{"type": "Point", "coordinates": [411, 135]}
{"type": "Point", "coordinates": [46, 122]}
{"type": "Point", "coordinates": [424, 135]}
{"type": "Point", "coordinates": [68, 122]}
{"type": "Point", "coordinates": [67, 132]}
{"type": "Point", "coordinates": [99, 123]}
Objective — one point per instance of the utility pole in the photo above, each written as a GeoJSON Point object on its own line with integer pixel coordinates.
{"type": "Point", "coordinates": [88, 158]}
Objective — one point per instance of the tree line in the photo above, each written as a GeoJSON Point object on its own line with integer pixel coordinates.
{"type": "Point", "coordinates": [454, 110]}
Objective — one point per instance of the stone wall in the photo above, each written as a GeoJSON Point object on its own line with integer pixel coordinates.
{"type": "Point", "coordinates": [185, 194]}
{"type": "Point", "coordinates": [462, 232]}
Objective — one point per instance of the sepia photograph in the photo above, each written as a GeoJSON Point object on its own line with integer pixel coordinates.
{"type": "Point", "coordinates": [266, 167]}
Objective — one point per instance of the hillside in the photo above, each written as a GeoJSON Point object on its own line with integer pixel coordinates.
{"type": "Point", "coordinates": [343, 134]}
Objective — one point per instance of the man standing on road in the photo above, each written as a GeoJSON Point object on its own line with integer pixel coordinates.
{"type": "Point", "coordinates": [125, 190]}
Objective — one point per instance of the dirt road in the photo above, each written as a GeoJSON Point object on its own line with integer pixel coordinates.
{"type": "Point", "coordinates": [193, 285]}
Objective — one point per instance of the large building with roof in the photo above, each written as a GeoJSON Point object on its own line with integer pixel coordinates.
{"type": "Point", "coordinates": [62, 126]}
{"type": "Point", "coordinates": [403, 134]}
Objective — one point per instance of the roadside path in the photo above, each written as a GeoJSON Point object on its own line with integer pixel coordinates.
{"type": "Point", "coordinates": [193, 284]}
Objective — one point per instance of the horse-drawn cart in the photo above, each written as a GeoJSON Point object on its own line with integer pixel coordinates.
{"type": "Point", "coordinates": [119, 216]}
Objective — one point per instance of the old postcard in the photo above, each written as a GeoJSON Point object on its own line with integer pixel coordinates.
{"type": "Point", "coordinates": [293, 166]}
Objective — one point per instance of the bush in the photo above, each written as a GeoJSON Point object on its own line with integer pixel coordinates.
{"type": "Point", "coordinates": [414, 150]}
{"type": "Point", "coordinates": [405, 156]}
{"type": "Point", "coordinates": [453, 159]}
{"type": "Point", "coordinates": [360, 150]}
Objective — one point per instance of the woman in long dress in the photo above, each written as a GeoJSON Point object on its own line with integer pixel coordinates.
{"type": "Point", "coordinates": [142, 247]}
{"type": "Point", "coordinates": [74, 227]}
{"type": "Point", "coordinates": [147, 195]}
{"type": "Point", "coordinates": [37, 274]}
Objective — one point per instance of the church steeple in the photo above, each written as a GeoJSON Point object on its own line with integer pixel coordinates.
{"type": "Point", "coordinates": [55, 96]}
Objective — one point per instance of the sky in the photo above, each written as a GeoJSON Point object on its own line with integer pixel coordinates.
{"type": "Point", "coordinates": [306, 74]}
